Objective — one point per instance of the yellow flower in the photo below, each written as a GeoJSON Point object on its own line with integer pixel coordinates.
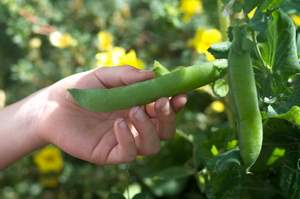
{"type": "Point", "coordinates": [211, 36]}
{"type": "Point", "coordinates": [49, 159]}
{"type": "Point", "coordinates": [189, 8]}
{"type": "Point", "coordinates": [209, 56]}
{"type": "Point", "coordinates": [296, 19]}
{"type": "Point", "coordinates": [110, 58]}
{"type": "Point", "coordinates": [131, 59]}
{"type": "Point", "coordinates": [217, 106]}
{"type": "Point", "coordinates": [252, 13]}
{"type": "Point", "coordinates": [105, 40]}
{"type": "Point", "coordinates": [118, 57]}
{"type": "Point", "coordinates": [35, 42]}
{"type": "Point", "coordinates": [62, 40]}
{"type": "Point", "coordinates": [2, 98]}
{"type": "Point", "coordinates": [203, 39]}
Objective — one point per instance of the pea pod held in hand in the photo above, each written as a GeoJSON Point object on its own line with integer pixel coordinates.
{"type": "Point", "coordinates": [244, 95]}
{"type": "Point", "coordinates": [178, 81]}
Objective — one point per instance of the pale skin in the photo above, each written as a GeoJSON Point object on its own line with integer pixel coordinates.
{"type": "Point", "coordinates": [51, 116]}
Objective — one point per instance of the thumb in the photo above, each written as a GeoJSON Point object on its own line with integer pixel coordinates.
{"type": "Point", "coordinates": [120, 76]}
{"type": "Point", "coordinates": [107, 77]}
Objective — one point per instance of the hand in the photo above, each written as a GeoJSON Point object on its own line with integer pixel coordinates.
{"type": "Point", "coordinates": [106, 138]}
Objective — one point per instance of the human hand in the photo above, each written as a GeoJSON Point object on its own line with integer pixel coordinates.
{"type": "Point", "coordinates": [106, 138]}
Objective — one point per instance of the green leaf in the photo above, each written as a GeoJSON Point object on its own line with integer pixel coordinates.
{"type": "Point", "coordinates": [225, 176]}
{"type": "Point", "coordinates": [270, 5]}
{"type": "Point", "coordinates": [224, 161]}
{"type": "Point", "coordinates": [204, 142]}
{"type": "Point", "coordinates": [289, 182]}
{"type": "Point", "coordinates": [116, 196]}
{"type": "Point", "coordinates": [220, 88]}
{"type": "Point", "coordinates": [293, 115]}
{"type": "Point", "coordinates": [280, 51]}
{"type": "Point", "coordinates": [277, 153]}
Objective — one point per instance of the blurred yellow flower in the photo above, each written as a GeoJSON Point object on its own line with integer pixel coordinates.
{"type": "Point", "coordinates": [131, 59]}
{"type": "Point", "coordinates": [2, 98]}
{"type": "Point", "coordinates": [35, 42]}
{"type": "Point", "coordinates": [49, 181]}
{"type": "Point", "coordinates": [203, 39]}
{"type": "Point", "coordinates": [105, 40]}
{"type": "Point", "coordinates": [296, 19]}
{"type": "Point", "coordinates": [217, 106]}
{"type": "Point", "coordinates": [118, 57]}
{"type": "Point", "coordinates": [209, 56]}
{"type": "Point", "coordinates": [189, 8]}
{"type": "Point", "coordinates": [252, 13]}
{"type": "Point", "coordinates": [125, 10]}
{"type": "Point", "coordinates": [62, 40]}
{"type": "Point", "coordinates": [111, 57]}
{"type": "Point", "coordinates": [49, 159]}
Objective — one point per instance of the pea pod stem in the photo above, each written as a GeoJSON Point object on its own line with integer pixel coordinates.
{"type": "Point", "coordinates": [178, 81]}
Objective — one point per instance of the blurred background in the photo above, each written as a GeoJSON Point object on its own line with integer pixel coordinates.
{"type": "Point", "coordinates": [43, 41]}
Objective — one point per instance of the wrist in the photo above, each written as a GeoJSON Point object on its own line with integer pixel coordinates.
{"type": "Point", "coordinates": [19, 129]}
{"type": "Point", "coordinates": [32, 113]}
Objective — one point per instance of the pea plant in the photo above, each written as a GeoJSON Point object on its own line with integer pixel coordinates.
{"type": "Point", "coordinates": [256, 153]}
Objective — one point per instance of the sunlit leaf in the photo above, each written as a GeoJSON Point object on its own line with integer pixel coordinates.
{"type": "Point", "coordinates": [276, 154]}
{"type": "Point", "coordinates": [280, 51]}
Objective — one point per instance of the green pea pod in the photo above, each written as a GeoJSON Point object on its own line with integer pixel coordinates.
{"type": "Point", "coordinates": [178, 81]}
{"type": "Point", "coordinates": [244, 96]}
{"type": "Point", "coordinates": [159, 70]}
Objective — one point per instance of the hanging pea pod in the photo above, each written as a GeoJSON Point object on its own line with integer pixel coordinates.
{"type": "Point", "coordinates": [243, 93]}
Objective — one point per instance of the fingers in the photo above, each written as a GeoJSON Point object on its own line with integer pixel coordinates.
{"type": "Point", "coordinates": [144, 139]}
{"type": "Point", "coordinates": [163, 110]}
{"type": "Point", "coordinates": [119, 76]}
{"type": "Point", "coordinates": [166, 118]}
{"type": "Point", "coordinates": [107, 77]}
{"type": "Point", "coordinates": [147, 141]}
{"type": "Point", "coordinates": [178, 102]}
{"type": "Point", "coordinates": [125, 150]}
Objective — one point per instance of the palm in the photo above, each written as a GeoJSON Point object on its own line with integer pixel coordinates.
{"type": "Point", "coordinates": [85, 135]}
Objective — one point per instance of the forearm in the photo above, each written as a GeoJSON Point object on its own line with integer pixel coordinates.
{"type": "Point", "coordinates": [18, 130]}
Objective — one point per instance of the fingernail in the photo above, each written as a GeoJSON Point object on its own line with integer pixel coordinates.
{"type": "Point", "coordinates": [138, 113]}
{"type": "Point", "coordinates": [121, 123]}
{"type": "Point", "coordinates": [165, 109]}
{"type": "Point", "coordinates": [184, 101]}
